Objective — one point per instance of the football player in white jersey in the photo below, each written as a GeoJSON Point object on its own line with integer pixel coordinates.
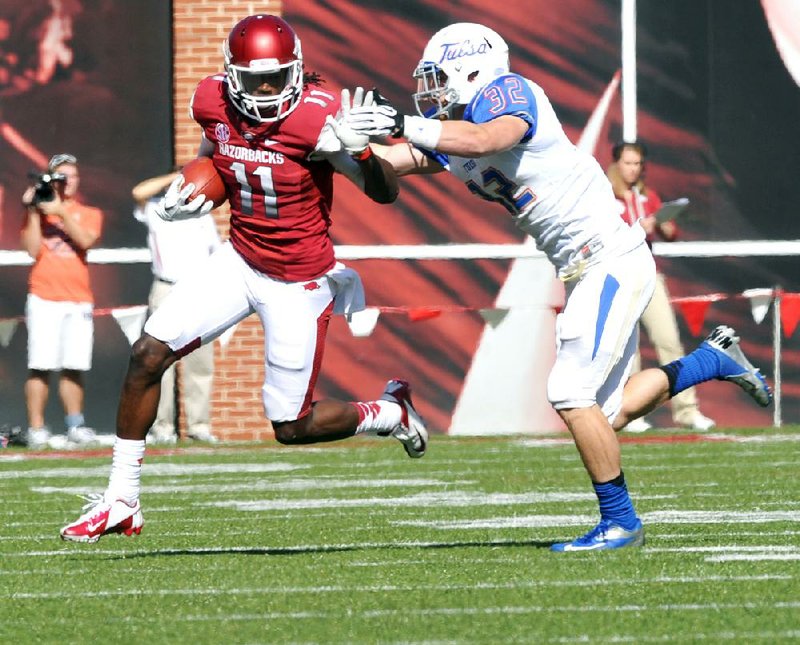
{"type": "Point", "coordinates": [498, 133]}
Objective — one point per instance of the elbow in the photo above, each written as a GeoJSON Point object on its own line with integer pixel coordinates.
{"type": "Point", "coordinates": [482, 148]}
{"type": "Point", "coordinates": [87, 243]}
{"type": "Point", "coordinates": [387, 196]}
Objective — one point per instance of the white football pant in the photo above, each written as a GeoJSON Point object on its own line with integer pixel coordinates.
{"type": "Point", "coordinates": [597, 332]}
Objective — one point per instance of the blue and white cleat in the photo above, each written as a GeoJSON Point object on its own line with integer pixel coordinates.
{"type": "Point", "coordinates": [734, 366]}
{"type": "Point", "coordinates": [606, 535]}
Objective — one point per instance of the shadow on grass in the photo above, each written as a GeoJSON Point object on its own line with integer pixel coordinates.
{"type": "Point", "coordinates": [336, 548]}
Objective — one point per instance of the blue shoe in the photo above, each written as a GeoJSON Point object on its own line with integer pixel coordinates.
{"type": "Point", "coordinates": [606, 535]}
{"type": "Point", "coordinates": [735, 367]}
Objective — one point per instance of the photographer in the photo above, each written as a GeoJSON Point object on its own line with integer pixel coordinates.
{"type": "Point", "coordinates": [57, 232]}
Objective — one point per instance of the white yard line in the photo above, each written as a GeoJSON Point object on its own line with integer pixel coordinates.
{"type": "Point", "coordinates": [471, 586]}
{"type": "Point", "coordinates": [754, 557]}
{"type": "Point", "coordinates": [157, 469]}
{"type": "Point", "coordinates": [713, 637]}
{"type": "Point", "coordinates": [652, 518]}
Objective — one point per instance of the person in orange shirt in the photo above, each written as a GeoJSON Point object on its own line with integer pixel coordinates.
{"type": "Point", "coordinates": [57, 232]}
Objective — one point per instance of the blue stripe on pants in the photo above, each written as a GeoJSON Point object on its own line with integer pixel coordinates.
{"type": "Point", "coordinates": [610, 288]}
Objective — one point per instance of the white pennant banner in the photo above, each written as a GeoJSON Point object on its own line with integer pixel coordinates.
{"type": "Point", "coordinates": [494, 316]}
{"type": "Point", "coordinates": [760, 300]}
{"type": "Point", "coordinates": [7, 329]}
{"type": "Point", "coordinates": [362, 323]}
{"type": "Point", "coordinates": [130, 321]}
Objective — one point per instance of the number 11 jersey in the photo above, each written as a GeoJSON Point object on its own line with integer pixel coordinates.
{"type": "Point", "coordinates": [280, 199]}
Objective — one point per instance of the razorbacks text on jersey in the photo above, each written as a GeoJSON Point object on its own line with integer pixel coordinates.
{"type": "Point", "coordinates": [280, 199]}
{"type": "Point", "coordinates": [555, 192]}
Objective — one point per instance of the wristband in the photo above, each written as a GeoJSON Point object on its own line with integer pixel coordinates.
{"type": "Point", "coordinates": [365, 154]}
{"type": "Point", "coordinates": [422, 132]}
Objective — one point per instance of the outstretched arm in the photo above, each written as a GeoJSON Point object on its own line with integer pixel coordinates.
{"type": "Point", "coordinates": [459, 138]}
{"type": "Point", "coordinates": [465, 139]}
{"type": "Point", "coordinates": [406, 159]}
{"type": "Point", "coordinates": [350, 154]}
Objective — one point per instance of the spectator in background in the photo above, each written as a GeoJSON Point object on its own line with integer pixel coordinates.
{"type": "Point", "coordinates": [57, 232]}
{"type": "Point", "coordinates": [639, 204]}
{"type": "Point", "coordinates": [178, 248]}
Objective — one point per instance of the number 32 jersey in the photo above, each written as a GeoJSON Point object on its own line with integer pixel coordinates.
{"type": "Point", "coordinates": [280, 200]}
{"type": "Point", "coordinates": [555, 192]}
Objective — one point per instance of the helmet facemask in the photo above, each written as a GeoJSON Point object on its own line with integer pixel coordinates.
{"type": "Point", "coordinates": [264, 65]}
{"type": "Point", "coordinates": [244, 82]}
{"type": "Point", "coordinates": [433, 91]}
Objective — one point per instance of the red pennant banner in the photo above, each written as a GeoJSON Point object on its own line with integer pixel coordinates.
{"type": "Point", "coordinates": [694, 312]}
{"type": "Point", "coordinates": [423, 313]}
{"type": "Point", "coordinates": [790, 313]}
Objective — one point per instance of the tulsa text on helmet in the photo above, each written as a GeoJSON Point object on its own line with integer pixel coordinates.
{"type": "Point", "coordinates": [247, 154]}
{"type": "Point", "coordinates": [452, 51]}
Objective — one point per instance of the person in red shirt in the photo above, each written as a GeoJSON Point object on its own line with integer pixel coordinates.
{"type": "Point", "coordinates": [639, 204]}
{"type": "Point", "coordinates": [57, 233]}
{"type": "Point", "coordinates": [266, 124]}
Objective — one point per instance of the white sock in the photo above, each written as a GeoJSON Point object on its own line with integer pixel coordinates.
{"type": "Point", "coordinates": [377, 416]}
{"type": "Point", "coordinates": [126, 468]}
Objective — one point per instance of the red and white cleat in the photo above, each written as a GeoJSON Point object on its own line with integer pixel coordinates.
{"type": "Point", "coordinates": [411, 432]}
{"type": "Point", "coordinates": [101, 518]}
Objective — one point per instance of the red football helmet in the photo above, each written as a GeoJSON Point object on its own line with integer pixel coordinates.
{"type": "Point", "coordinates": [265, 67]}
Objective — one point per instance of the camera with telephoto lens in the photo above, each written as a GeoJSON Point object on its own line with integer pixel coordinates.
{"type": "Point", "coordinates": [44, 190]}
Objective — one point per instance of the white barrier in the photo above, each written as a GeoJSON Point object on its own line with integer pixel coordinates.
{"type": "Point", "coordinates": [738, 248]}
{"type": "Point", "coordinates": [696, 249]}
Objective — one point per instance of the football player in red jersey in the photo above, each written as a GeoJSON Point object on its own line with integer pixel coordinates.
{"type": "Point", "coordinates": [270, 131]}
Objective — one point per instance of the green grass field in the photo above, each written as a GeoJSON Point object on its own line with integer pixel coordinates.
{"type": "Point", "coordinates": [355, 543]}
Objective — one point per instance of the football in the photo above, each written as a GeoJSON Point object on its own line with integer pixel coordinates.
{"type": "Point", "coordinates": [202, 173]}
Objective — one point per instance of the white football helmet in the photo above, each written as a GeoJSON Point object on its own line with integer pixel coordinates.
{"type": "Point", "coordinates": [457, 62]}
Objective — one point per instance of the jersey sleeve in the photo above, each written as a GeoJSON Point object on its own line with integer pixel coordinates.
{"type": "Point", "coordinates": [318, 105]}
{"type": "Point", "coordinates": [506, 95]}
{"type": "Point", "coordinates": [208, 98]}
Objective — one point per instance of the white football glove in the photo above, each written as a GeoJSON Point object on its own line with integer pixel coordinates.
{"type": "Point", "coordinates": [378, 118]}
{"type": "Point", "coordinates": [353, 142]}
{"type": "Point", "coordinates": [328, 143]}
{"type": "Point", "coordinates": [173, 205]}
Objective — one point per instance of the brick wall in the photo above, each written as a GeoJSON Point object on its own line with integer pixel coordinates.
{"type": "Point", "coordinates": [199, 27]}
